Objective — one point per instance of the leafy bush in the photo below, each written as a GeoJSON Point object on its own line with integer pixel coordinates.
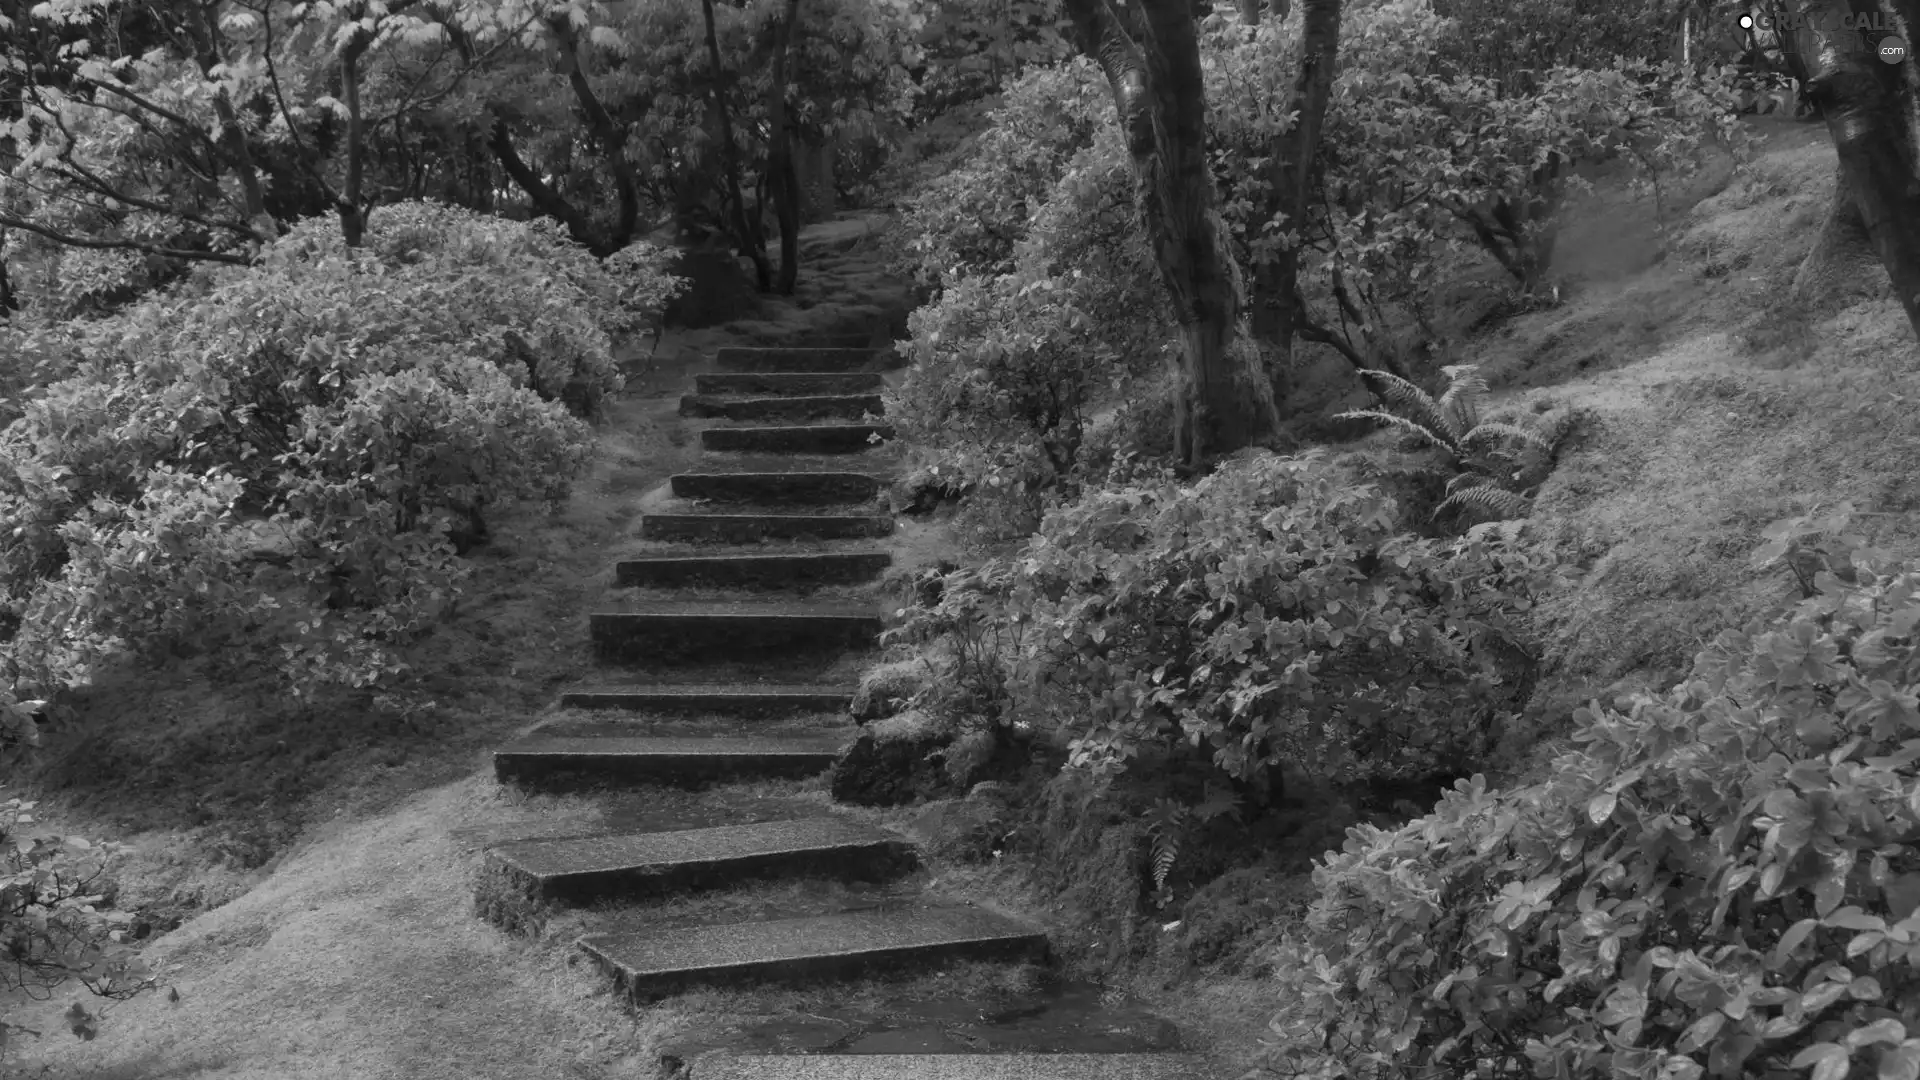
{"type": "Point", "coordinates": [1270, 613]}
{"type": "Point", "coordinates": [1266, 614]}
{"type": "Point", "coordinates": [969, 222]}
{"type": "Point", "coordinates": [291, 457]}
{"type": "Point", "coordinates": [1005, 376]}
{"type": "Point", "coordinates": [1719, 881]}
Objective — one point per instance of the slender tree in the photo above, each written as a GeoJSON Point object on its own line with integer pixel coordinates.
{"type": "Point", "coordinates": [782, 177]}
{"type": "Point", "coordinates": [747, 233]}
{"type": "Point", "coordinates": [1150, 53]}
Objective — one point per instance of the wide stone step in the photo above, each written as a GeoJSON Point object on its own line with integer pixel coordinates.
{"type": "Point", "coordinates": [790, 383]}
{"type": "Point", "coordinates": [752, 528]}
{"type": "Point", "coordinates": [756, 571]}
{"type": "Point", "coordinates": [651, 965]}
{"type": "Point", "coordinates": [952, 1067]}
{"type": "Point", "coordinates": [797, 439]}
{"type": "Point", "coordinates": [560, 760]}
{"type": "Point", "coordinates": [809, 407]}
{"type": "Point", "coordinates": [768, 486]}
{"type": "Point", "coordinates": [801, 359]}
{"type": "Point", "coordinates": [581, 870]}
{"type": "Point", "coordinates": [732, 699]}
{"type": "Point", "coordinates": [677, 632]}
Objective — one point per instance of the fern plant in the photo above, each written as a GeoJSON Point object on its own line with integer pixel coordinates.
{"type": "Point", "coordinates": [1495, 460]}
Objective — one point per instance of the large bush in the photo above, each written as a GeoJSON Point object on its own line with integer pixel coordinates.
{"type": "Point", "coordinates": [291, 457]}
{"type": "Point", "coordinates": [969, 222]}
{"type": "Point", "coordinates": [1718, 881]}
{"type": "Point", "coordinates": [1268, 614]}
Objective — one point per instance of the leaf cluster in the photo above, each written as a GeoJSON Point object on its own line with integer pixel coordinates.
{"type": "Point", "coordinates": [1716, 881]}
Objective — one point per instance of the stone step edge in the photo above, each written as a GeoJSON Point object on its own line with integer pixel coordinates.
{"type": "Point", "coordinates": [1169, 1065]}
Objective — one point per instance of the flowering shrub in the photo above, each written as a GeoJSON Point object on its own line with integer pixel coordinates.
{"type": "Point", "coordinates": [1267, 614]}
{"type": "Point", "coordinates": [1720, 881]}
{"type": "Point", "coordinates": [968, 222]}
{"type": "Point", "coordinates": [347, 416]}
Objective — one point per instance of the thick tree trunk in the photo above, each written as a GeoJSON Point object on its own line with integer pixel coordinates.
{"type": "Point", "coordinates": [1862, 102]}
{"type": "Point", "coordinates": [747, 233]}
{"type": "Point", "coordinates": [1278, 314]}
{"type": "Point", "coordinates": [783, 178]}
{"type": "Point", "coordinates": [1151, 57]}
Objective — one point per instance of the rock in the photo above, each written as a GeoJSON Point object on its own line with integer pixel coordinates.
{"type": "Point", "coordinates": [878, 771]}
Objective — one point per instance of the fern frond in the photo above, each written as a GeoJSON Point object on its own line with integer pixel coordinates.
{"type": "Point", "coordinates": [1491, 433]}
{"type": "Point", "coordinates": [1165, 823]}
{"type": "Point", "coordinates": [1468, 480]}
{"type": "Point", "coordinates": [1461, 401]}
{"type": "Point", "coordinates": [1415, 404]}
{"type": "Point", "coordinates": [1400, 422]}
{"type": "Point", "coordinates": [1495, 502]}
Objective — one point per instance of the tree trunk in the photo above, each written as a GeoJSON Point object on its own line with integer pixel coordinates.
{"type": "Point", "coordinates": [232, 137]}
{"type": "Point", "coordinates": [751, 240]}
{"type": "Point", "coordinates": [1151, 57]}
{"type": "Point", "coordinates": [610, 135]}
{"type": "Point", "coordinates": [1278, 313]}
{"type": "Point", "coordinates": [1868, 109]}
{"type": "Point", "coordinates": [9, 302]}
{"type": "Point", "coordinates": [783, 178]}
{"type": "Point", "coordinates": [353, 218]}
{"type": "Point", "coordinates": [1250, 12]}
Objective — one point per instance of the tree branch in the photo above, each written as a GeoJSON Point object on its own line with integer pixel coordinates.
{"type": "Point", "coordinates": [69, 240]}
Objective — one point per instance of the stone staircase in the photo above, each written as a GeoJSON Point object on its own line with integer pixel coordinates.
{"type": "Point", "coordinates": [783, 506]}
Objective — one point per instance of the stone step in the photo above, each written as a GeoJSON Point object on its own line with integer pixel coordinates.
{"type": "Point", "coordinates": [796, 439]}
{"type": "Point", "coordinates": [581, 870]}
{"type": "Point", "coordinates": [668, 632]}
{"type": "Point", "coordinates": [952, 1067]}
{"type": "Point", "coordinates": [801, 359]}
{"type": "Point", "coordinates": [757, 571]}
{"type": "Point", "coordinates": [752, 528]}
{"type": "Point", "coordinates": [561, 761]}
{"type": "Point", "coordinates": [735, 699]}
{"type": "Point", "coordinates": [791, 383]}
{"type": "Point", "coordinates": [811, 407]}
{"type": "Point", "coordinates": [653, 964]}
{"type": "Point", "coordinates": [815, 487]}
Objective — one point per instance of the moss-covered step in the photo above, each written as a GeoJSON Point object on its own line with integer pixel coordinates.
{"type": "Point", "coordinates": [676, 632]}
{"type": "Point", "coordinates": [816, 487]}
{"type": "Point", "coordinates": [792, 383]}
{"type": "Point", "coordinates": [783, 407]}
{"type": "Point", "coordinates": [752, 528]}
{"type": "Point", "coordinates": [752, 571]}
{"type": "Point", "coordinates": [732, 699]}
{"type": "Point", "coordinates": [802, 359]}
{"type": "Point", "coordinates": [797, 438]}
{"type": "Point", "coordinates": [584, 869]}
{"type": "Point", "coordinates": [955, 1067]}
{"type": "Point", "coordinates": [561, 761]}
{"type": "Point", "coordinates": [652, 964]}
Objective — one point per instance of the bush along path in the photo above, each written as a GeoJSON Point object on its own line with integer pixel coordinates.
{"type": "Point", "coordinates": [738, 642]}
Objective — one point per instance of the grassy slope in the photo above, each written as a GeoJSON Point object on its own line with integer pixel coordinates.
{"type": "Point", "coordinates": [353, 952]}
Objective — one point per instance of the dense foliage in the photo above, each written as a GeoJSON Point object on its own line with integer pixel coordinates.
{"type": "Point", "coordinates": [1716, 881]}
{"type": "Point", "coordinates": [290, 457]}
{"type": "Point", "coordinates": [1270, 613]}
